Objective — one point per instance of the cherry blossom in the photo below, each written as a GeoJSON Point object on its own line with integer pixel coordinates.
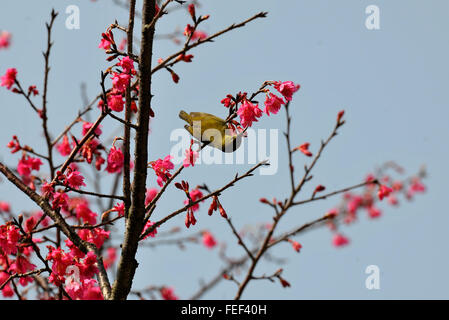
{"type": "Point", "coordinates": [248, 113]}
{"type": "Point", "coordinates": [272, 104]}
{"type": "Point", "coordinates": [287, 89]}
{"type": "Point", "coordinates": [9, 78]}
{"type": "Point", "coordinates": [209, 240]}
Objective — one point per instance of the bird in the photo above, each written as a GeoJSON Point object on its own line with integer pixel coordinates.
{"type": "Point", "coordinates": [212, 130]}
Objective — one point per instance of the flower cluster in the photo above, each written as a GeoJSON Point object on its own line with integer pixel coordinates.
{"type": "Point", "coordinates": [162, 169]}
{"type": "Point", "coordinates": [14, 257]}
{"type": "Point", "coordinates": [79, 284]}
{"type": "Point", "coordinates": [376, 190]}
{"type": "Point", "coordinates": [249, 111]}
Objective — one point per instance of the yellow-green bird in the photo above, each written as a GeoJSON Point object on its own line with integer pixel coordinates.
{"type": "Point", "coordinates": [211, 129]}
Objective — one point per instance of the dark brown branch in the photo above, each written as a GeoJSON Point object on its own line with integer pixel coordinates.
{"type": "Point", "coordinates": [239, 239]}
{"type": "Point", "coordinates": [95, 194]}
{"type": "Point", "coordinates": [330, 194]}
{"type": "Point", "coordinates": [134, 223]}
{"type": "Point", "coordinates": [44, 94]}
{"type": "Point", "coordinates": [127, 132]}
{"type": "Point", "coordinates": [289, 148]}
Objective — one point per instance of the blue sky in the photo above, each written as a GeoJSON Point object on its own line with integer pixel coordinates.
{"type": "Point", "coordinates": [392, 83]}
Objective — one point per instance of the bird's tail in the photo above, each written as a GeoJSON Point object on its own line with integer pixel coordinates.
{"type": "Point", "coordinates": [185, 116]}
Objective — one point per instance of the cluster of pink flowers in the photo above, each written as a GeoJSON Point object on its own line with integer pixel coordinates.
{"type": "Point", "coordinates": [82, 288]}
{"type": "Point", "coordinates": [19, 262]}
{"type": "Point", "coordinates": [367, 200]}
{"type": "Point", "coordinates": [84, 213]}
{"type": "Point", "coordinates": [249, 111]}
{"type": "Point", "coordinates": [161, 168]}
{"type": "Point", "coordinates": [27, 164]}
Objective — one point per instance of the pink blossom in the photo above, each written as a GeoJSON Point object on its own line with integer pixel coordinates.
{"type": "Point", "coordinates": [127, 65]}
{"type": "Point", "coordinates": [339, 240]}
{"type": "Point", "coordinates": [147, 226]}
{"type": "Point", "coordinates": [209, 240]}
{"type": "Point", "coordinates": [60, 261]}
{"type": "Point", "coordinates": [4, 206]}
{"type": "Point", "coordinates": [384, 191]}
{"type": "Point", "coordinates": [47, 190]}
{"type": "Point", "coordinates": [22, 265]}
{"type": "Point", "coordinates": [195, 195]}
{"type": "Point", "coordinates": [296, 245]}
{"type": "Point", "coordinates": [5, 39]}
{"type": "Point", "coordinates": [75, 180]}
{"type": "Point", "coordinates": [286, 88]}
{"type": "Point", "coordinates": [248, 113]}
{"type": "Point", "coordinates": [417, 186]}
{"type": "Point", "coordinates": [64, 147]}
{"type": "Point", "coordinates": [60, 200]}
{"type": "Point", "coordinates": [120, 81]}
{"type": "Point", "coordinates": [161, 168]}
{"type": "Point", "coordinates": [104, 44]}
{"type": "Point", "coordinates": [83, 212]}
{"type": "Point", "coordinates": [393, 200]}
{"type": "Point", "coordinates": [168, 294]}
{"type": "Point", "coordinates": [9, 78]}
{"type": "Point", "coordinates": [151, 194]}
{"type": "Point", "coordinates": [188, 30]}
{"type": "Point", "coordinates": [115, 160]}
{"type": "Point", "coordinates": [227, 101]}
{"type": "Point", "coordinates": [120, 209]}
{"type": "Point", "coordinates": [27, 164]}
{"type": "Point", "coordinates": [88, 125]}
{"type": "Point", "coordinates": [122, 44]}
{"type": "Point", "coordinates": [374, 212]}
{"type": "Point", "coordinates": [88, 266]}
{"type": "Point", "coordinates": [354, 204]}
{"type": "Point", "coordinates": [273, 103]}
{"type": "Point", "coordinates": [199, 35]}
{"type": "Point", "coordinates": [96, 236]}
{"type": "Point", "coordinates": [9, 238]}
{"type": "Point", "coordinates": [115, 102]}
{"type": "Point", "coordinates": [30, 223]}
